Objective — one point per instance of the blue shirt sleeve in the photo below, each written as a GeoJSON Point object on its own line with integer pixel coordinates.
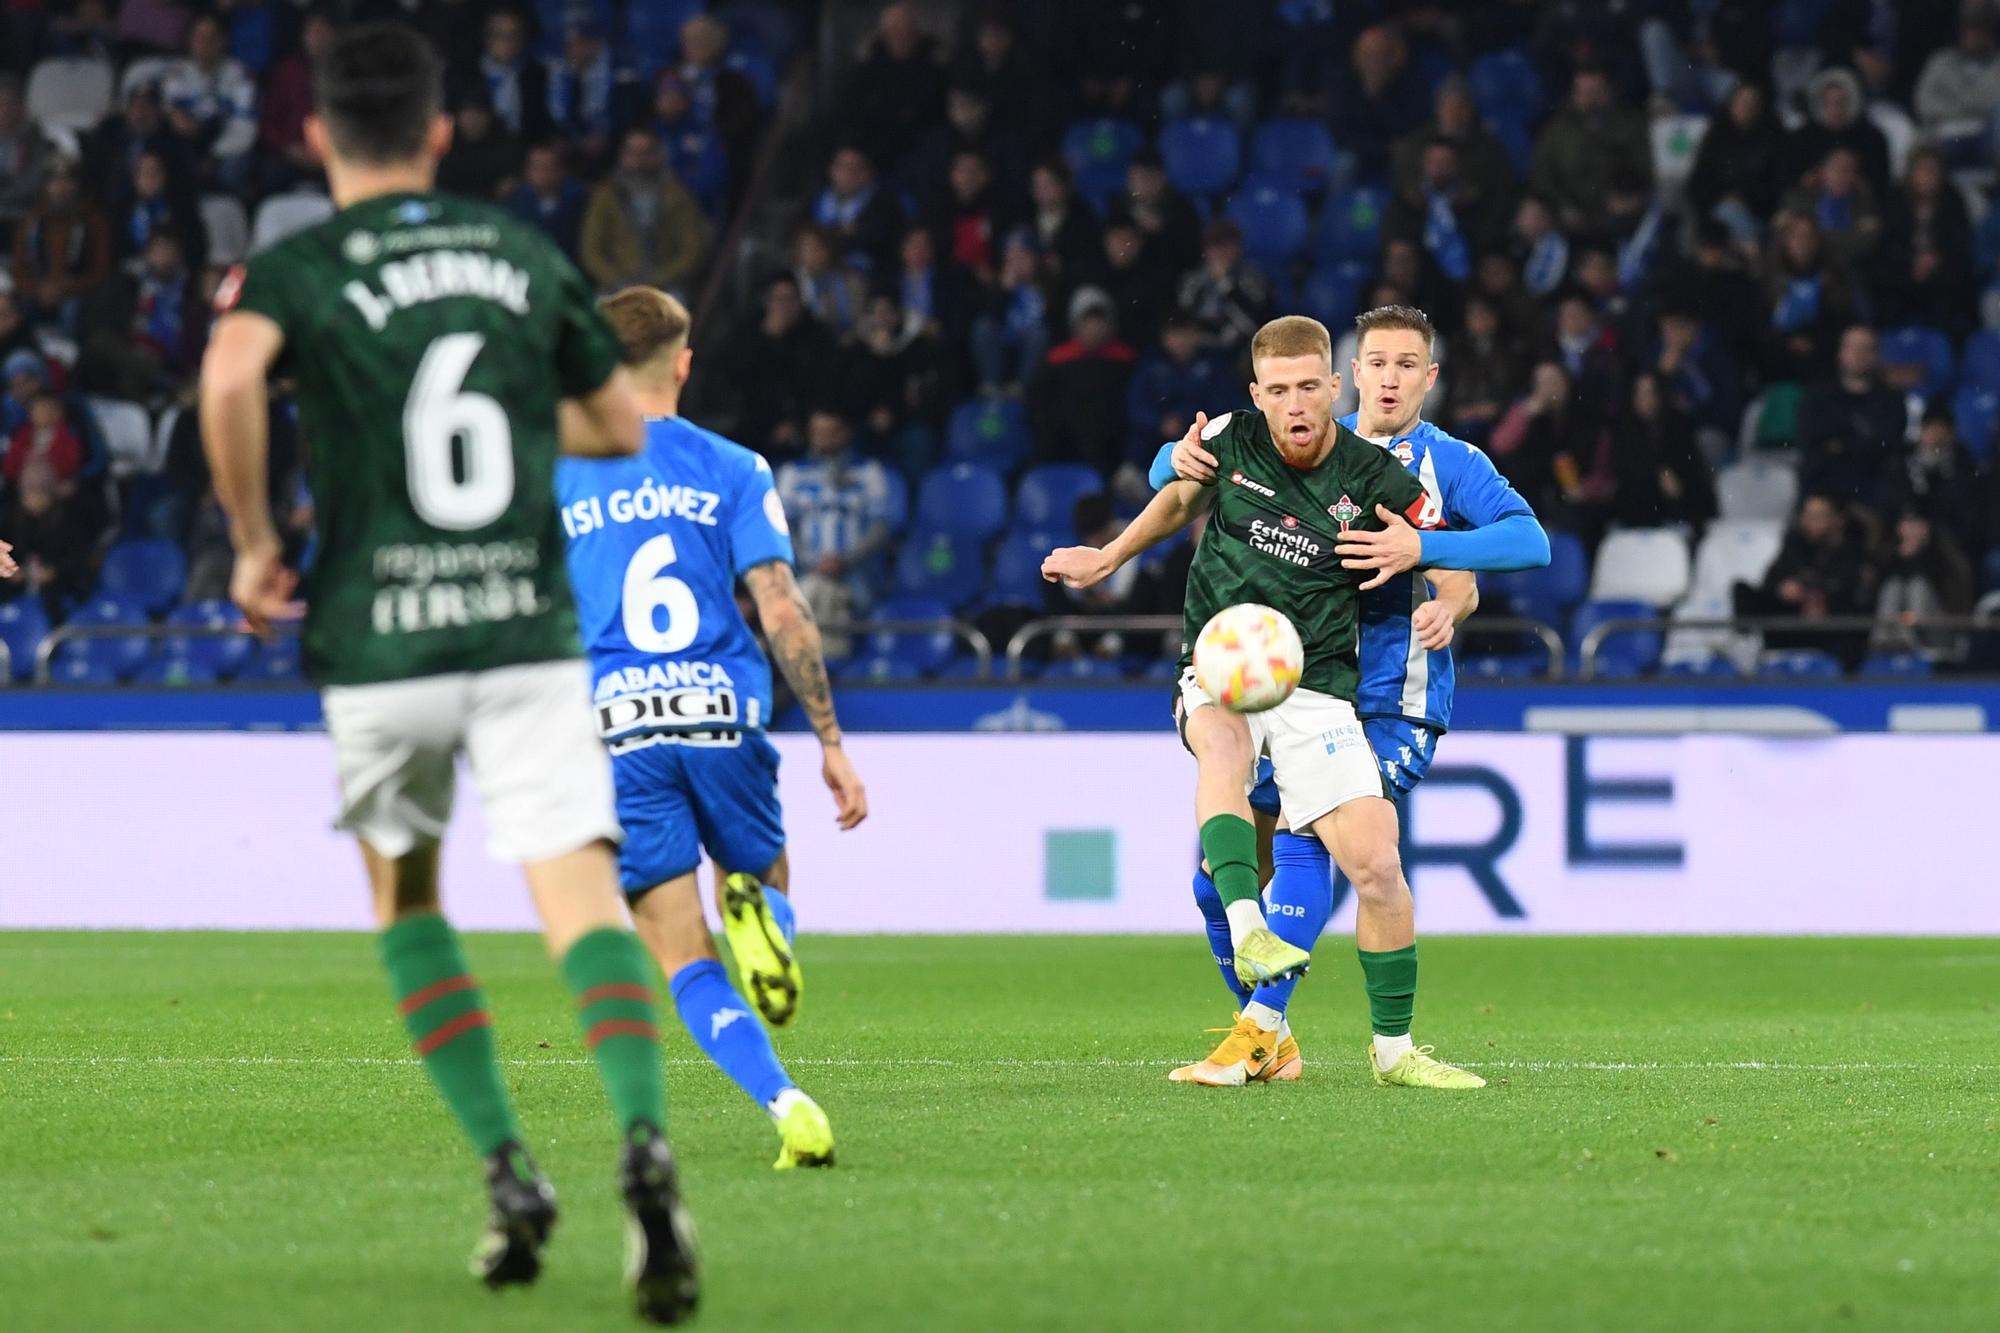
{"type": "Point", "coordinates": [757, 528]}
{"type": "Point", "coordinates": [1163, 466]}
{"type": "Point", "coordinates": [1493, 529]}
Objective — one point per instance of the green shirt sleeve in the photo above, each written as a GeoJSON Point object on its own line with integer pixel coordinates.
{"type": "Point", "coordinates": [264, 288]}
{"type": "Point", "coordinates": [586, 349]}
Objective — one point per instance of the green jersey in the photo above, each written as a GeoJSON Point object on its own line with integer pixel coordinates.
{"type": "Point", "coordinates": [430, 338]}
{"type": "Point", "coordinates": [1271, 533]}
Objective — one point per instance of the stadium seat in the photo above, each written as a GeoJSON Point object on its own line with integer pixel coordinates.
{"type": "Point", "coordinates": [1736, 551]}
{"type": "Point", "coordinates": [1631, 652]}
{"type": "Point", "coordinates": [993, 431]}
{"type": "Point", "coordinates": [222, 654]}
{"type": "Point", "coordinates": [964, 499]}
{"type": "Point", "coordinates": [174, 669]}
{"type": "Point", "coordinates": [228, 229]}
{"type": "Point", "coordinates": [1202, 154]}
{"type": "Point", "coordinates": [1503, 666]}
{"type": "Point", "coordinates": [118, 655]}
{"type": "Point", "coordinates": [1904, 666]}
{"type": "Point", "coordinates": [285, 215]}
{"type": "Point", "coordinates": [79, 668]}
{"type": "Point", "coordinates": [1098, 152]}
{"type": "Point", "coordinates": [875, 669]}
{"type": "Point", "coordinates": [147, 572]}
{"type": "Point", "coordinates": [1294, 151]}
{"type": "Point", "coordinates": [1017, 570]}
{"type": "Point", "coordinates": [1046, 499]}
{"type": "Point", "coordinates": [1715, 667]}
{"type": "Point", "coordinates": [1917, 345]}
{"type": "Point", "coordinates": [1274, 222]}
{"type": "Point", "coordinates": [941, 566]}
{"type": "Point", "coordinates": [128, 435]}
{"type": "Point", "coordinates": [1547, 594]}
{"type": "Point", "coordinates": [924, 652]}
{"type": "Point", "coordinates": [1975, 412]}
{"type": "Point", "coordinates": [23, 626]}
{"type": "Point", "coordinates": [1979, 363]}
{"type": "Point", "coordinates": [1641, 565]}
{"type": "Point", "coordinates": [1082, 669]}
{"type": "Point", "coordinates": [1799, 664]}
{"type": "Point", "coordinates": [69, 93]}
{"type": "Point", "coordinates": [1350, 227]}
{"type": "Point", "coordinates": [274, 664]}
{"type": "Point", "coordinates": [1505, 86]}
{"type": "Point", "coordinates": [1332, 294]}
{"type": "Point", "coordinates": [1899, 133]}
{"type": "Point", "coordinates": [758, 70]}
{"type": "Point", "coordinates": [1765, 488]}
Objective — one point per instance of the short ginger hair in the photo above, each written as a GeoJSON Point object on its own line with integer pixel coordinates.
{"type": "Point", "coordinates": [649, 323]}
{"type": "Point", "coordinates": [1291, 335]}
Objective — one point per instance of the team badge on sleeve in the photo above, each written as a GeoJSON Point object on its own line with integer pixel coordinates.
{"type": "Point", "coordinates": [774, 509]}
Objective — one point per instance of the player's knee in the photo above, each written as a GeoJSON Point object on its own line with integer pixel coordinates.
{"type": "Point", "coordinates": [1377, 878]}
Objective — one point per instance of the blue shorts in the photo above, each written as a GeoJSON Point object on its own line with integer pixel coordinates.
{"type": "Point", "coordinates": [1403, 751]}
{"type": "Point", "coordinates": [676, 801]}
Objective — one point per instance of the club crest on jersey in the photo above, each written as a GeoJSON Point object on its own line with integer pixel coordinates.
{"type": "Point", "coordinates": [1250, 485]}
{"type": "Point", "coordinates": [361, 247]}
{"type": "Point", "coordinates": [1403, 452]}
{"type": "Point", "coordinates": [1345, 512]}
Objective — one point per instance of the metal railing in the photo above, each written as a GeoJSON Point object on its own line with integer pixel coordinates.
{"type": "Point", "coordinates": [45, 654]}
{"type": "Point", "coordinates": [1830, 627]}
{"type": "Point", "coordinates": [1017, 646]}
{"type": "Point", "coordinates": [982, 647]}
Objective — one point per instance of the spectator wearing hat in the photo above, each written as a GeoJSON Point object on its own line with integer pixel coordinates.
{"type": "Point", "coordinates": [1010, 335]}
{"type": "Point", "coordinates": [1228, 296]}
{"type": "Point", "coordinates": [1078, 404]}
{"type": "Point", "coordinates": [550, 196]}
{"type": "Point", "coordinates": [1838, 119]}
{"type": "Point", "coordinates": [694, 147]}
{"type": "Point", "coordinates": [485, 158]}
{"type": "Point", "coordinates": [62, 249]}
{"type": "Point", "coordinates": [24, 158]}
{"type": "Point", "coordinates": [642, 226]}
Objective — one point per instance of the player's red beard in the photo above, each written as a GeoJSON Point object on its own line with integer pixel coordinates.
{"type": "Point", "coordinates": [1301, 450]}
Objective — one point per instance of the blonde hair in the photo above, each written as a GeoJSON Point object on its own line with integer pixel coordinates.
{"type": "Point", "coordinates": [1386, 317]}
{"type": "Point", "coordinates": [1291, 335]}
{"type": "Point", "coordinates": [649, 323]}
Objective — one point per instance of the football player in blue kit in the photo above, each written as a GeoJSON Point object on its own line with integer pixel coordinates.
{"type": "Point", "coordinates": [1408, 613]}
{"type": "Point", "coordinates": [656, 543]}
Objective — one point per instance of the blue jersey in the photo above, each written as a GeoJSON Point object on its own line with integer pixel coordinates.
{"type": "Point", "coordinates": [656, 542]}
{"type": "Point", "coordinates": [1399, 676]}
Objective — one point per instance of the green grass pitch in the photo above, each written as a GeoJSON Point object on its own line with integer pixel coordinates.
{"type": "Point", "coordinates": [225, 1132]}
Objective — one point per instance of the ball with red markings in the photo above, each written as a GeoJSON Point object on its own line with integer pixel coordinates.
{"type": "Point", "coordinates": [1248, 658]}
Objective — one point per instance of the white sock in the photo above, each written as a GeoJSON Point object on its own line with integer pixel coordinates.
{"type": "Point", "coordinates": [784, 1102]}
{"type": "Point", "coordinates": [1388, 1050]}
{"type": "Point", "coordinates": [1245, 915]}
{"type": "Point", "coordinates": [1264, 1016]}
{"type": "Point", "coordinates": [1284, 1030]}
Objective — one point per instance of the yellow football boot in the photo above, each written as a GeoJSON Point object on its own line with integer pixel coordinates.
{"type": "Point", "coordinates": [807, 1137]}
{"type": "Point", "coordinates": [1263, 959]}
{"type": "Point", "coordinates": [1286, 1065]}
{"type": "Point", "coordinates": [766, 971]}
{"type": "Point", "coordinates": [1246, 1055]}
{"type": "Point", "coordinates": [1416, 1069]}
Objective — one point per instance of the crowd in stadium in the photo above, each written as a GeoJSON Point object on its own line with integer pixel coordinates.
{"type": "Point", "coordinates": [1716, 284]}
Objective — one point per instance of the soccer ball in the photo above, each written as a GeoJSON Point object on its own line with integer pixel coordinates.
{"type": "Point", "coordinates": [1248, 658]}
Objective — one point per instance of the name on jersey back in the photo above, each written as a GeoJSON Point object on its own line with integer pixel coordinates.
{"type": "Point", "coordinates": [640, 504]}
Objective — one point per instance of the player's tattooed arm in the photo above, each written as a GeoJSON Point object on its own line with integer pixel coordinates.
{"type": "Point", "coordinates": [795, 643]}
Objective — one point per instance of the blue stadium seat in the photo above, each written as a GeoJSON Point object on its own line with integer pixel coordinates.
{"type": "Point", "coordinates": [1017, 570]}
{"type": "Point", "coordinates": [1548, 593]}
{"type": "Point", "coordinates": [1274, 222]}
{"type": "Point", "coordinates": [1162, 669]}
{"type": "Point", "coordinates": [1716, 667]}
{"type": "Point", "coordinates": [964, 499]}
{"type": "Point", "coordinates": [174, 669]}
{"type": "Point", "coordinates": [274, 664]}
{"type": "Point", "coordinates": [1917, 345]}
{"type": "Point", "coordinates": [23, 626]}
{"type": "Point", "coordinates": [758, 69]}
{"type": "Point", "coordinates": [993, 431]}
{"type": "Point", "coordinates": [1506, 87]}
{"type": "Point", "coordinates": [221, 655]}
{"type": "Point", "coordinates": [1046, 499]}
{"type": "Point", "coordinates": [1082, 668]}
{"type": "Point", "coordinates": [79, 668]}
{"type": "Point", "coordinates": [1332, 294]}
{"type": "Point", "coordinates": [1624, 652]}
{"type": "Point", "coordinates": [1350, 227]}
{"type": "Point", "coordinates": [1098, 152]}
{"type": "Point", "coordinates": [1504, 666]}
{"type": "Point", "coordinates": [876, 669]}
{"type": "Point", "coordinates": [1799, 664]}
{"type": "Point", "coordinates": [941, 566]}
{"type": "Point", "coordinates": [1975, 411]}
{"type": "Point", "coordinates": [923, 652]}
{"type": "Point", "coordinates": [1979, 364]}
{"type": "Point", "coordinates": [149, 572]}
{"type": "Point", "coordinates": [120, 654]}
{"type": "Point", "coordinates": [1202, 154]}
{"type": "Point", "coordinates": [1296, 151]}
{"type": "Point", "coordinates": [1902, 665]}
{"type": "Point", "coordinates": [652, 33]}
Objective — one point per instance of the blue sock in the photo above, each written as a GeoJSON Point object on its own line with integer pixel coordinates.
{"type": "Point", "coordinates": [1297, 903]}
{"type": "Point", "coordinates": [1220, 944]}
{"type": "Point", "coordinates": [781, 912]}
{"type": "Point", "coordinates": [723, 1026]}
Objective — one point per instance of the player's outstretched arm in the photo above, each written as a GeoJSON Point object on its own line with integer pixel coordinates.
{"type": "Point", "coordinates": [235, 431]}
{"type": "Point", "coordinates": [603, 424]}
{"type": "Point", "coordinates": [795, 647]}
{"type": "Point", "coordinates": [1168, 512]}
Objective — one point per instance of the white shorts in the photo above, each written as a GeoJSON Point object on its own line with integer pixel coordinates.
{"type": "Point", "coordinates": [1319, 754]}
{"type": "Point", "coordinates": [531, 738]}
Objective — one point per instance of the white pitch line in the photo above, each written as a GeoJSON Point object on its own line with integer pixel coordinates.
{"type": "Point", "coordinates": [1003, 1062]}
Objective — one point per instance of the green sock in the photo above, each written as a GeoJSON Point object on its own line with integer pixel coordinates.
{"type": "Point", "coordinates": [1230, 844]}
{"type": "Point", "coordinates": [1391, 978]}
{"type": "Point", "coordinates": [445, 1012]}
{"type": "Point", "coordinates": [614, 997]}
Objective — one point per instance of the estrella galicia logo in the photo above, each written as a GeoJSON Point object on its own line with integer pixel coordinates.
{"type": "Point", "coordinates": [1251, 485]}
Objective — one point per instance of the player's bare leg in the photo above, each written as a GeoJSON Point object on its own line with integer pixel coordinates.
{"type": "Point", "coordinates": [452, 1032]}
{"type": "Point", "coordinates": [1362, 836]}
{"type": "Point", "coordinates": [676, 933]}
